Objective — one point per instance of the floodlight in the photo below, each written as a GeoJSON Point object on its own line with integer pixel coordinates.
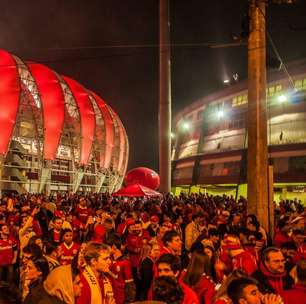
{"type": "Point", "coordinates": [282, 98]}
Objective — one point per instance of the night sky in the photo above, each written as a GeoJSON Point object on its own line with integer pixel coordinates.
{"type": "Point", "coordinates": [83, 39]}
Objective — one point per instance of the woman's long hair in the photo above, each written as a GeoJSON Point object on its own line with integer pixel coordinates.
{"type": "Point", "coordinates": [198, 265]}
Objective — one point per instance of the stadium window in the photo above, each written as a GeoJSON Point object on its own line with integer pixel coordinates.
{"type": "Point", "coordinates": [278, 88]}
{"type": "Point", "coordinates": [298, 84]}
{"type": "Point", "coordinates": [271, 91]}
{"type": "Point", "coordinates": [234, 102]}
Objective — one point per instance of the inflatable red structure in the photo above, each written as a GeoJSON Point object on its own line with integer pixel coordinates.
{"type": "Point", "coordinates": [137, 190]}
{"type": "Point", "coordinates": [144, 176]}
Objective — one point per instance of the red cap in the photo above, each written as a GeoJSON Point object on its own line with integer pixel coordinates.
{"type": "Point", "coordinates": [231, 242]}
{"type": "Point", "coordinates": [130, 222]}
{"type": "Point", "coordinates": [154, 219]}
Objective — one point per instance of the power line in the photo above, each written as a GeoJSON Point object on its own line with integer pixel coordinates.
{"type": "Point", "coordinates": [274, 48]}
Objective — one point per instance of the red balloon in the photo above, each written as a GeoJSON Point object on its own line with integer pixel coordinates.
{"type": "Point", "coordinates": [144, 176]}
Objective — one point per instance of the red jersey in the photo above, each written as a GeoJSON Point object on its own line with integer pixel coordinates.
{"type": "Point", "coordinates": [82, 213]}
{"type": "Point", "coordinates": [85, 297]}
{"type": "Point", "coordinates": [281, 238]}
{"type": "Point", "coordinates": [67, 253]}
{"type": "Point", "coordinates": [295, 295]}
{"type": "Point", "coordinates": [7, 248]}
{"type": "Point", "coordinates": [245, 261]}
{"type": "Point", "coordinates": [134, 246]}
{"type": "Point", "coordinates": [121, 228]}
{"type": "Point", "coordinates": [190, 296]}
{"type": "Point", "coordinates": [56, 236]}
{"type": "Point", "coordinates": [165, 250]}
{"type": "Point", "coordinates": [301, 253]}
{"type": "Point", "coordinates": [122, 270]}
{"type": "Point", "coordinates": [205, 288]}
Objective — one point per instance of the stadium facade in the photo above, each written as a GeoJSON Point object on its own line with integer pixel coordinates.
{"type": "Point", "coordinates": [210, 138]}
{"type": "Point", "coordinates": [55, 134]}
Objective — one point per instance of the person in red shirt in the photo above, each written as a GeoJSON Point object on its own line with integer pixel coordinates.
{"type": "Point", "coordinates": [245, 291]}
{"type": "Point", "coordinates": [198, 277]}
{"type": "Point", "coordinates": [172, 243]}
{"type": "Point", "coordinates": [121, 271]}
{"type": "Point", "coordinates": [235, 257]}
{"type": "Point", "coordinates": [283, 233]}
{"type": "Point", "coordinates": [82, 211]}
{"type": "Point", "coordinates": [8, 254]}
{"type": "Point", "coordinates": [271, 275]}
{"type": "Point", "coordinates": [95, 280]}
{"type": "Point", "coordinates": [301, 253]}
{"type": "Point", "coordinates": [153, 227]}
{"type": "Point", "coordinates": [298, 293]}
{"type": "Point", "coordinates": [134, 244]}
{"type": "Point", "coordinates": [54, 235]}
{"type": "Point", "coordinates": [169, 265]}
{"type": "Point", "coordinates": [67, 250]}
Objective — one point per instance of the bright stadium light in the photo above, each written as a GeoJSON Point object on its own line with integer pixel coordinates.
{"type": "Point", "coordinates": [226, 81]}
{"type": "Point", "coordinates": [172, 135]}
{"type": "Point", "coordinates": [282, 98]}
{"type": "Point", "coordinates": [220, 114]}
{"type": "Point", "coordinates": [186, 126]}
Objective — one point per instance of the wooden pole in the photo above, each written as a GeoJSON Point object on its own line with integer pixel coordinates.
{"type": "Point", "coordinates": [257, 118]}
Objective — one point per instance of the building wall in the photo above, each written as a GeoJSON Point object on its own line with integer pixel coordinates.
{"type": "Point", "coordinates": [213, 149]}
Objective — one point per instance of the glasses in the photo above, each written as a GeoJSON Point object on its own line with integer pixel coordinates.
{"type": "Point", "coordinates": [278, 261]}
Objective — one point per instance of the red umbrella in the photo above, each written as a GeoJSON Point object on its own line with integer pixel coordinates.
{"type": "Point", "coordinates": [136, 190]}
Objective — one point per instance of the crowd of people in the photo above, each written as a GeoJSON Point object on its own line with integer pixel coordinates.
{"type": "Point", "coordinates": [98, 249]}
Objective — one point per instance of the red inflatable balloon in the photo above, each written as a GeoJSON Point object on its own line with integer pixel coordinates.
{"type": "Point", "coordinates": [144, 176]}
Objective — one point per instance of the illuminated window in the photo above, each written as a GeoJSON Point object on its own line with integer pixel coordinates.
{"type": "Point", "coordinates": [234, 102]}
{"type": "Point", "coordinates": [278, 88]}
{"type": "Point", "coordinates": [298, 84]}
{"type": "Point", "coordinates": [304, 84]}
{"type": "Point", "coordinates": [271, 91]}
{"type": "Point", "coordinates": [240, 100]}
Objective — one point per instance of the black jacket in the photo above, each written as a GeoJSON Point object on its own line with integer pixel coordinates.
{"type": "Point", "coordinates": [38, 295]}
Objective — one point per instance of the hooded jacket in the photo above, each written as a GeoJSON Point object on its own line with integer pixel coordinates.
{"type": "Point", "coordinates": [59, 285]}
{"type": "Point", "coordinates": [269, 282]}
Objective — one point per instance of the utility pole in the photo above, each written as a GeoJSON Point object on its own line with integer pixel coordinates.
{"type": "Point", "coordinates": [164, 98]}
{"type": "Point", "coordinates": [257, 119]}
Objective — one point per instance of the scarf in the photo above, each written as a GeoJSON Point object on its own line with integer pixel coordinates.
{"type": "Point", "coordinates": [95, 291]}
{"type": "Point", "coordinates": [106, 296]}
{"type": "Point", "coordinates": [275, 280]}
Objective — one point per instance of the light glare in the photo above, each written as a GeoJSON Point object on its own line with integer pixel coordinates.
{"type": "Point", "coordinates": [282, 98]}
{"type": "Point", "coordinates": [186, 125]}
{"type": "Point", "coordinates": [220, 114]}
